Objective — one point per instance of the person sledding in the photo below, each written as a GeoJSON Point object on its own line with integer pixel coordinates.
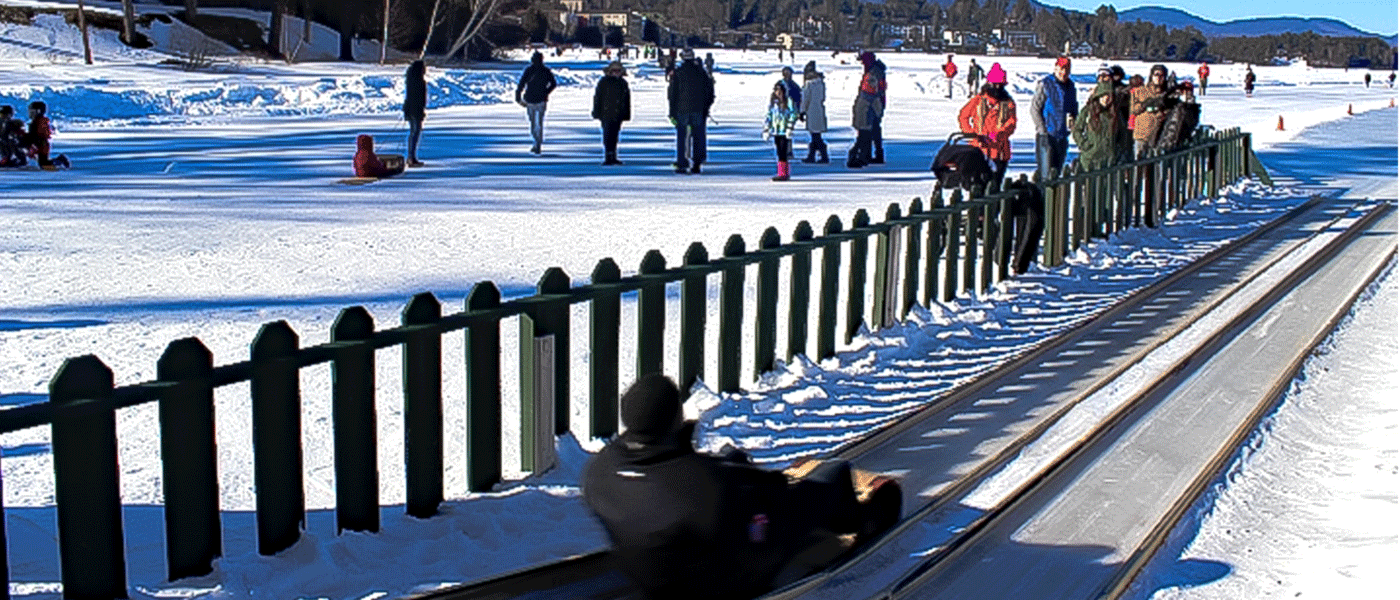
{"type": "Point", "coordinates": [35, 142]}
{"type": "Point", "coordinates": [369, 165]}
{"type": "Point", "coordinates": [685, 525]}
{"type": "Point", "coordinates": [11, 136]}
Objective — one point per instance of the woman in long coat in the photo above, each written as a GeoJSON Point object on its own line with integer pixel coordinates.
{"type": "Point", "coordinates": [612, 104]}
{"type": "Point", "coordinates": [813, 110]}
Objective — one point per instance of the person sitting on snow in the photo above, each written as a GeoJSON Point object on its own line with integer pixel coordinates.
{"type": "Point", "coordinates": [36, 141]}
{"type": "Point", "coordinates": [11, 133]}
{"type": "Point", "coordinates": [368, 164]}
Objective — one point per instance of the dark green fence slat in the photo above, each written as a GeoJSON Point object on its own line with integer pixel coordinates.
{"type": "Point", "coordinates": [800, 292]}
{"type": "Point", "coordinates": [651, 317]}
{"type": "Point", "coordinates": [1004, 240]}
{"type": "Point", "coordinates": [855, 282]}
{"type": "Point", "coordinates": [422, 411]}
{"type": "Point", "coordinates": [277, 455]}
{"type": "Point", "coordinates": [693, 298]}
{"type": "Point", "coordinates": [766, 313]}
{"type": "Point", "coordinates": [731, 319]}
{"type": "Point", "coordinates": [353, 417]}
{"type": "Point", "coordinates": [952, 227]}
{"type": "Point", "coordinates": [87, 492]}
{"type": "Point", "coordinates": [884, 267]}
{"type": "Point", "coordinates": [911, 260]}
{"type": "Point", "coordinates": [604, 329]}
{"type": "Point", "coordinates": [826, 305]}
{"type": "Point", "coordinates": [483, 356]}
{"type": "Point", "coordinates": [989, 238]}
{"type": "Point", "coordinates": [189, 463]}
{"type": "Point", "coordinates": [933, 247]}
{"type": "Point", "coordinates": [552, 318]}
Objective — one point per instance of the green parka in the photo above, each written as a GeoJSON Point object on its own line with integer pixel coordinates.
{"type": "Point", "coordinates": [1099, 131]}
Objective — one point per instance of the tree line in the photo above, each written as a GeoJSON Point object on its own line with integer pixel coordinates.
{"type": "Point", "coordinates": [475, 28]}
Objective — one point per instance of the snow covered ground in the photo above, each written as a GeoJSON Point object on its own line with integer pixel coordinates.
{"type": "Point", "coordinates": [203, 204]}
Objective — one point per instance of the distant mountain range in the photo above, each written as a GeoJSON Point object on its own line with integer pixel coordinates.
{"type": "Point", "coordinates": [1176, 18]}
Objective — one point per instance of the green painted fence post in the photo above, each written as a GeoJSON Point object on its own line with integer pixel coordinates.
{"type": "Point", "coordinates": [952, 230]}
{"type": "Point", "coordinates": [800, 293]}
{"type": "Point", "coordinates": [483, 356]}
{"type": "Point", "coordinates": [731, 318]}
{"type": "Point", "coordinates": [969, 238]}
{"type": "Point", "coordinates": [989, 245]}
{"type": "Point", "coordinates": [87, 489]}
{"type": "Point", "coordinates": [693, 299]}
{"type": "Point", "coordinates": [911, 259]}
{"type": "Point", "coordinates": [422, 406]}
{"type": "Point", "coordinates": [855, 280]}
{"type": "Point", "coordinates": [766, 313]}
{"type": "Point", "coordinates": [885, 267]}
{"type": "Point", "coordinates": [932, 248]}
{"type": "Point", "coordinates": [1004, 241]}
{"type": "Point", "coordinates": [189, 463]}
{"type": "Point", "coordinates": [353, 419]}
{"type": "Point", "coordinates": [604, 327]}
{"type": "Point", "coordinates": [831, 273]}
{"type": "Point", "coordinates": [277, 454]}
{"type": "Point", "coordinates": [555, 315]}
{"type": "Point", "coordinates": [651, 316]}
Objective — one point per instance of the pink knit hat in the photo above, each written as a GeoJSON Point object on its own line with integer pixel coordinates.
{"type": "Point", "coordinates": [996, 75]}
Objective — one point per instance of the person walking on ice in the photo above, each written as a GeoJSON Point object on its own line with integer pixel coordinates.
{"type": "Point", "coordinates": [813, 112]}
{"type": "Point", "coordinates": [533, 93]}
{"type": "Point", "coordinates": [415, 106]}
{"type": "Point", "coordinates": [778, 124]}
{"type": "Point", "coordinates": [950, 70]}
{"type": "Point", "coordinates": [974, 78]}
{"type": "Point", "coordinates": [612, 104]}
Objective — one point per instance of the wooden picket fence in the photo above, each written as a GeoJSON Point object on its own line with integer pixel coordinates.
{"type": "Point", "coordinates": [921, 254]}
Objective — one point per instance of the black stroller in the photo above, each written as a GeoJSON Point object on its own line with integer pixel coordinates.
{"type": "Point", "coordinates": [961, 165]}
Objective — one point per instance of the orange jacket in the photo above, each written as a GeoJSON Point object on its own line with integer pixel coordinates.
{"type": "Point", "coordinates": [994, 121]}
{"type": "Point", "coordinates": [950, 69]}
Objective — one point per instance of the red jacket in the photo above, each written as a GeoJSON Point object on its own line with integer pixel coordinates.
{"type": "Point", "coordinates": [950, 69]}
{"type": "Point", "coordinates": [366, 163]}
{"type": "Point", "coordinates": [991, 119]}
{"type": "Point", "coordinates": [38, 138]}
{"type": "Point", "coordinates": [1204, 71]}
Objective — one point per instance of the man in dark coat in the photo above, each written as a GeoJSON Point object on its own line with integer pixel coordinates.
{"type": "Point", "coordinates": [533, 93]}
{"type": "Point", "coordinates": [690, 95]}
{"type": "Point", "coordinates": [686, 525]}
{"type": "Point", "coordinates": [415, 107]}
{"type": "Point", "coordinates": [612, 104]}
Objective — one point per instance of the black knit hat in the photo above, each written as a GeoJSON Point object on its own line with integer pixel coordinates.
{"type": "Point", "coordinates": [651, 408]}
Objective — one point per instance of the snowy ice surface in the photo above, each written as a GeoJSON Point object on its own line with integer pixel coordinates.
{"type": "Point", "coordinates": [203, 204]}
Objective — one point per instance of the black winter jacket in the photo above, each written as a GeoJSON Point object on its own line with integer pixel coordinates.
{"type": "Point", "coordinates": [612, 100]}
{"type": "Point", "coordinates": [680, 521]}
{"type": "Point", "coordinates": [535, 84]}
{"type": "Point", "coordinates": [691, 90]}
{"type": "Point", "coordinates": [415, 101]}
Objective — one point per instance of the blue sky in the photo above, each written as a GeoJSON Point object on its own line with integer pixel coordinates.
{"type": "Point", "coordinates": [1377, 16]}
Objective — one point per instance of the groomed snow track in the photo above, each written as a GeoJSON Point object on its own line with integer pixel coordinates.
{"type": "Point", "coordinates": [1059, 474]}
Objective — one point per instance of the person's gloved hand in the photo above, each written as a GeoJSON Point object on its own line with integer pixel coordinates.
{"type": "Point", "coordinates": [673, 121]}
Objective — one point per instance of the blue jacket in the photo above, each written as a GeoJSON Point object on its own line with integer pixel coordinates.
{"type": "Point", "coordinates": [1052, 101]}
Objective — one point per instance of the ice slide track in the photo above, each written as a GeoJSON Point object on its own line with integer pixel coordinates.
{"type": "Point", "coordinates": [591, 575]}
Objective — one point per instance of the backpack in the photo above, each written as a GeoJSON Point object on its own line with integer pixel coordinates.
{"type": "Point", "coordinates": [1178, 125]}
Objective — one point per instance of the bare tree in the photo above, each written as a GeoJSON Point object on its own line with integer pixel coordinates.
{"type": "Point", "coordinates": [478, 12]}
{"type": "Point", "coordinates": [82, 26]}
{"type": "Point", "coordinates": [128, 22]}
{"type": "Point", "coordinates": [191, 11]}
{"type": "Point", "coordinates": [275, 31]}
{"type": "Point", "coordinates": [433, 22]}
{"type": "Point", "coordinates": [384, 41]}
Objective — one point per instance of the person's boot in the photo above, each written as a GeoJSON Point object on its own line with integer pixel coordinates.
{"type": "Point", "coordinates": [811, 154]}
{"type": "Point", "coordinates": [782, 171]}
{"type": "Point", "coordinates": [826, 158]}
{"type": "Point", "coordinates": [879, 158]}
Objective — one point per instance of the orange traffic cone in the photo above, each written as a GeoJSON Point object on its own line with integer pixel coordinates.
{"type": "Point", "coordinates": [1349, 109]}
{"type": "Point", "coordinates": [1392, 103]}
{"type": "Point", "coordinates": [1280, 122]}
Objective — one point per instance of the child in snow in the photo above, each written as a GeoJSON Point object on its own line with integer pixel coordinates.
{"type": "Point", "coordinates": [778, 123]}
{"type": "Point", "coordinates": [36, 141]}
{"type": "Point", "coordinates": [11, 134]}
{"type": "Point", "coordinates": [368, 164]}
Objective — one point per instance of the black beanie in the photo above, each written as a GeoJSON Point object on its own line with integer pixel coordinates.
{"type": "Point", "coordinates": [651, 408]}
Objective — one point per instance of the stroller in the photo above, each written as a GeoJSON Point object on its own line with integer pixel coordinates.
{"type": "Point", "coordinates": [960, 165]}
